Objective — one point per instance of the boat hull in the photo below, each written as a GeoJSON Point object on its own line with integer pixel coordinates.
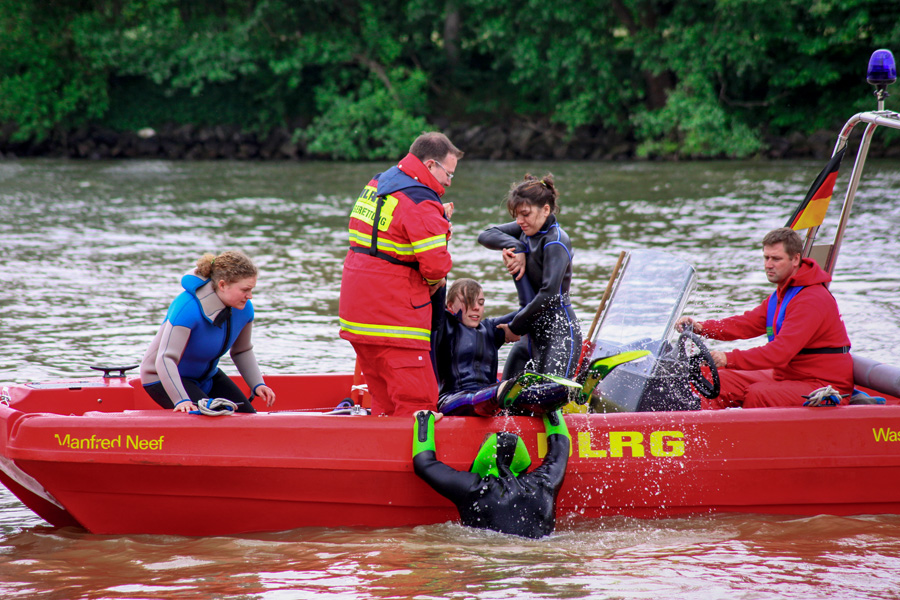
{"type": "Point", "coordinates": [138, 469]}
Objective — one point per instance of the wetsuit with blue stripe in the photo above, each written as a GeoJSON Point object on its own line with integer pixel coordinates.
{"type": "Point", "coordinates": [553, 342]}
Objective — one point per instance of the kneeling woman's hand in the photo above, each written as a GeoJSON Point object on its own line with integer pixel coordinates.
{"type": "Point", "coordinates": [185, 406]}
{"type": "Point", "coordinates": [266, 393]}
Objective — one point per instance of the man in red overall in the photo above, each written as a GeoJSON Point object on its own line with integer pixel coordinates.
{"type": "Point", "coordinates": [808, 345]}
{"type": "Point", "coordinates": [391, 271]}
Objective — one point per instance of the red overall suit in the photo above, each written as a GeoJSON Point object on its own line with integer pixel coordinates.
{"type": "Point", "coordinates": [809, 349]}
{"type": "Point", "coordinates": [385, 305]}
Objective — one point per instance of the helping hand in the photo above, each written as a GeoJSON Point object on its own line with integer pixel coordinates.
{"type": "Point", "coordinates": [437, 415]}
{"type": "Point", "coordinates": [508, 334]}
{"type": "Point", "coordinates": [719, 358]}
{"type": "Point", "coordinates": [433, 287]}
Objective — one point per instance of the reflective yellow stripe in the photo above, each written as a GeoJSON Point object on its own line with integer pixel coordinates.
{"type": "Point", "coordinates": [391, 331]}
{"type": "Point", "coordinates": [438, 241]}
{"type": "Point", "coordinates": [365, 240]}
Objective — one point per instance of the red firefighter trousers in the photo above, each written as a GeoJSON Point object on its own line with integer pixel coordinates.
{"type": "Point", "coordinates": [401, 381]}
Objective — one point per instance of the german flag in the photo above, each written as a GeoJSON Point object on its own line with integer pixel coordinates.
{"type": "Point", "coordinates": [811, 211]}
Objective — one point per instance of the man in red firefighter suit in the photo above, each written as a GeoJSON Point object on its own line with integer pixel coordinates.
{"type": "Point", "coordinates": [391, 271]}
{"type": "Point", "coordinates": [808, 345]}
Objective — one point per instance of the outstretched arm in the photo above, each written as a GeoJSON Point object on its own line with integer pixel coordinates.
{"type": "Point", "coordinates": [558, 443]}
{"type": "Point", "coordinates": [173, 341]}
{"type": "Point", "coordinates": [445, 480]}
{"type": "Point", "coordinates": [556, 264]}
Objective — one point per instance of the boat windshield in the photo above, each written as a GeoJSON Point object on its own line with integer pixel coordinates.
{"type": "Point", "coordinates": [649, 295]}
{"type": "Point", "coordinates": [647, 298]}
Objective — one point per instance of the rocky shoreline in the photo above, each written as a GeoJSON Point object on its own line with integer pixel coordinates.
{"type": "Point", "coordinates": [516, 141]}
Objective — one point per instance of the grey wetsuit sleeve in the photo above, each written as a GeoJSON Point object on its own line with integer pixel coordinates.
{"type": "Point", "coordinates": [244, 358]}
{"type": "Point", "coordinates": [172, 342]}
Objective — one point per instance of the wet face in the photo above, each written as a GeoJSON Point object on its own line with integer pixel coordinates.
{"type": "Point", "coordinates": [471, 315]}
{"type": "Point", "coordinates": [236, 293]}
{"type": "Point", "coordinates": [531, 218]}
{"type": "Point", "coordinates": [779, 266]}
{"type": "Point", "coordinates": [443, 169]}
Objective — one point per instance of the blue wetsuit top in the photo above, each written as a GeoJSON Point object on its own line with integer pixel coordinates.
{"type": "Point", "coordinates": [208, 341]}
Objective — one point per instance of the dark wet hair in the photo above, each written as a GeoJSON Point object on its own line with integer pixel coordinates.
{"type": "Point", "coordinates": [434, 145]}
{"type": "Point", "coordinates": [230, 266]}
{"type": "Point", "coordinates": [466, 289]}
{"type": "Point", "coordinates": [786, 236]}
{"type": "Point", "coordinates": [533, 191]}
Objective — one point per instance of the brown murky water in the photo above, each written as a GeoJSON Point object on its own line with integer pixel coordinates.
{"type": "Point", "coordinates": [91, 255]}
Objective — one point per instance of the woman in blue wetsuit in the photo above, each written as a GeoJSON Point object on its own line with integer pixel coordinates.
{"type": "Point", "coordinates": [210, 317]}
{"type": "Point", "coordinates": [538, 253]}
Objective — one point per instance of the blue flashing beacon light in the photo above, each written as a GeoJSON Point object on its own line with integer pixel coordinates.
{"type": "Point", "coordinates": [881, 73]}
{"type": "Point", "coordinates": [882, 68]}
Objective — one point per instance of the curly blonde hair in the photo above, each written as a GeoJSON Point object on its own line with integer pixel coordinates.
{"type": "Point", "coordinates": [229, 266]}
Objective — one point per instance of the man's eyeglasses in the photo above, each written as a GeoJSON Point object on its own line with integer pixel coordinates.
{"type": "Point", "coordinates": [449, 174]}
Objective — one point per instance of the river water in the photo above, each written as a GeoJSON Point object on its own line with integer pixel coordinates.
{"type": "Point", "coordinates": [91, 254]}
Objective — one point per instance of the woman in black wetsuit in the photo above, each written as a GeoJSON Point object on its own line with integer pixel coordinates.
{"type": "Point", "coordinates": [538, 253]}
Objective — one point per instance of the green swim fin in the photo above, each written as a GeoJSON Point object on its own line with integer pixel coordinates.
{"type": "Point", "coordinates": [602, 367]}
{"type": "Point", "coordinates": [514, 387]}
{"type": "Point", "coordinates": [560, 380]}
{"type": "Point", "coordinates": [527, 379]}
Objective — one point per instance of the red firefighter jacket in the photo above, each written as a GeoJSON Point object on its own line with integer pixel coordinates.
{"type": "Point", "coordinates": [384, 287]}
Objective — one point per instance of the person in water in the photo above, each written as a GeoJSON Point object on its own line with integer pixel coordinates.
{"type": "Point", "coordinates": [808, 345]}
{"type": "Point", "coordinates": [466, 349]}
{"type": "Point", "coordinates": [211, 316]}
{"type": "Point", "coordinates": [391, 271]}
{"type": "Point", "coordinates": [538, 253]}
{"type": "Point", "coordinates": [497, 493]}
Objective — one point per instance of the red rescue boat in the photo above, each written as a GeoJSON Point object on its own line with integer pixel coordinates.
{"type": "Point", "coordinates": [95, 452]}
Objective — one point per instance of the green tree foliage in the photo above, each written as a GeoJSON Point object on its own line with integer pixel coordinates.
{"type": "Point", "coordinates": [359, 78]}
{"type": "Point", "coordinates": [43, 83]}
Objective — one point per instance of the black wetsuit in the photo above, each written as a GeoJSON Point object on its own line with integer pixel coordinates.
{"type": "Point", "coordinates": [554, 335]}
{"type": "Point", "coordinates": [523, 505]}
{"type": "Point", "coordinates": [467, 362]}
